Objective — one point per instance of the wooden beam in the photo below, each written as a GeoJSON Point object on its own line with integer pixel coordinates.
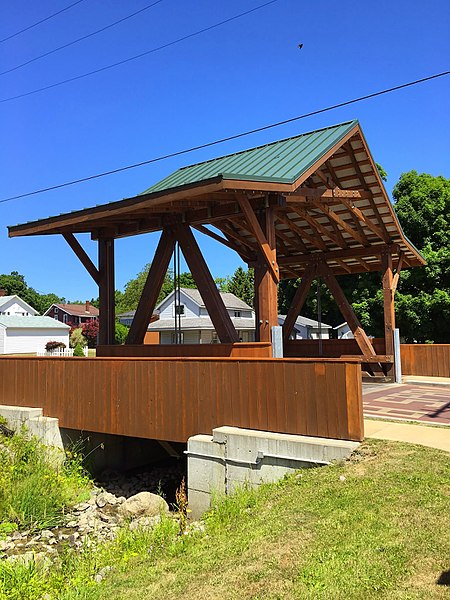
{"type": "Point", "coordinates": [299, 300]}
{"type": "Point", "coordinates": [106, 292]}
{"type": "Point", "coordinates": [347, 311]}
{"type": "Point", "coordinates": [347, 253]}
{"type": "Point", "coordinates": [266, 290]}
{"type": "Point", "coordinates": [222, 240]}
{"type": "Point", "coordinates": [321, 229]}
{"type": "Point", "coordinates": [388, 302]}
{"type": "Point", "coordinates": [397, 272]}
{"type": "Point", "coordinates": [312, 239]}
{"type": "Point", "coordinates": [83, 257]}
{"type": "Point", "coordinates": [206, 285]}
{"type": "Point", "coordinates": [267, 251]}
{"type": "Point", "coordinates": [152, 287]}
{"type": "Point", "coordinates": [343, 224]}
{"type": "Point", "coordinates": [327, 194]}
{"type": "Point", "coordinates": [366, 220]}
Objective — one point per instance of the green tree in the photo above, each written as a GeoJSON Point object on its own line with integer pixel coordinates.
{"type": "Point", "coordinates": [120, 333]}
{"type": "Point", "coordinates": [241, 284]}
{"type": "Point", "coordinates": [15, 284]}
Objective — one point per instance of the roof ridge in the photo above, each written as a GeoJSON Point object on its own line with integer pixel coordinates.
{"type": "Point", "coordinates": [293, 137]}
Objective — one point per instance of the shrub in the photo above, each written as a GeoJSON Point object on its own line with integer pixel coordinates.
{"type": "Point", "coordinates": [90, 332]}
{"type": "Point", "coordinates": [121, 332]}
{"type": "Point", "coordinates": [77, 337]}
{"type": "Point", "coordinates": [34, 488]}
{"type": "Point", "coordinates": [52, 345]}
{"type": "Point", "coordinates": [78, 350]}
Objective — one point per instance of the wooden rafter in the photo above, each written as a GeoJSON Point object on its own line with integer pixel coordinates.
{"type": "Point", "coordinates": [205, 282]}
{"type": "Point", "coordinates": [317, 226]}
{"type": "Point", "coordinates": [227, 229]}
{"type": "Point", "coordinates": [260, 237]}
{"type": "Point", "coordinates": [332, 173]}
{"type": "Point", "coordinates": [299, 300]}
{"type": "Point", "coordinates": [347, 253]}
{"type": "Point", "coordinates": [347, 311]}
{"type": "Point", "coordinates": [315, 240]}
{"type": "Point", "coordinates": [82, 255]}
{"type": "Point", "coordinates": [331, 214]}
{"type": "Point", "coordinates": [152, 287]}
{"type": "Point", "coordinates": [222, 240]}
{"type": "Point", "coordinates": [366, 220]}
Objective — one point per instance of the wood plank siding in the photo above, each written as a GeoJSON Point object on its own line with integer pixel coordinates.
{"type": "Point", "coordinates": [173, 399]}
{"type": "Point", "coordinates": [330, 348]}
{"type": "Point", "coordinates": [432, 360]}
{"type": "Point", "coordinates": [239, 350]}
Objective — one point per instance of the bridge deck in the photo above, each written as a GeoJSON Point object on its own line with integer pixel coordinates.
{"type": "Point", "coordinates": [175, 398]}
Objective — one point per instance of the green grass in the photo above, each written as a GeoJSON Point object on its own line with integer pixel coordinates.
{"type": "Point", "coordinates": [377, 526]}
{"type": "Point", "coordinates": [35, 487]}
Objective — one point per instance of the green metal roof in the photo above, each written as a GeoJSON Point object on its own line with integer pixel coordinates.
{"type": "Point", "coordinates": [31, 322]}
{"type": "Point", "coordinates": [278, 162]}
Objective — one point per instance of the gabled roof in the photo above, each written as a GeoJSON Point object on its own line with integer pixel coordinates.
{"type": "Point", "coordinates": [76, 310]}
{"type": "Point", "coordinates": [304, 321]}
{"type": "Point", "coordinates": [327, 197]}
{"type": "Point", "coordinates": [15, 322]}
{"type": "Point", "coordinates": [230, 300]}
{"type": "Point", "coordinates": [14, 297]}
{"type": "Point", "coordinates": [283, 161]}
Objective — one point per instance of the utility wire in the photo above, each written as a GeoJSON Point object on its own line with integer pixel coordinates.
{"type": "Point", "coordinates": [39, 22]}
{"type": "Point", "coordinates": [84, 37]}
{"type": "Point", "coordinates": [229, 138]}
{"type": "Point", "coordinates": [127, 60]}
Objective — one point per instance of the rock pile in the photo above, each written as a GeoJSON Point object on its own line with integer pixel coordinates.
{"type": "Point", "coordinates": [91, 522]}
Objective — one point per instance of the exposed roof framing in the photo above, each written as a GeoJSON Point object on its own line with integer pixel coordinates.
{"type": "Point", "coordinates": [324, 187]}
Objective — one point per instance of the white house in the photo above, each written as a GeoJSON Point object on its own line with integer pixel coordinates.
{"type": "Point", "coordinates": [343, 331]}
{"type": "Point", "coordinates": [196, 324]}
{"type": "Point", "coordinates": [307, 329]}
{"type": "Point", "coordinates": [29, 335]}
{"type": "Point", "coordinates": [197, 327]}
{"type": "Point", "coordinates": [13, 306]}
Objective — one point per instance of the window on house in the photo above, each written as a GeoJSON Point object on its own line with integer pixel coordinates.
{"type": "Point", "coordinates": [179, 310]}
{"type": "Point", "coordinates": [214, 338]}
{"type": "Point", "coordinates": [64, 318]}
{"type": "Point", "coordinates": [237, 313]}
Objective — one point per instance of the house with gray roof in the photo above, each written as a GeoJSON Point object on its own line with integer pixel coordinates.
{"type": "Point", "coordinates": [13, 305]}
{"type": "Point", "coordinates": [30, 334]}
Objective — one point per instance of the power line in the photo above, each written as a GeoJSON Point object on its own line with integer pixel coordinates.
{"type": "Point", "coordinates": [39, 22]}
{"type": "Point", "coordinates": [127, 60]}
{"type": "Point", "coordinates": [229, 138]}
{"type": "Point", "coordinates": [84, 37]}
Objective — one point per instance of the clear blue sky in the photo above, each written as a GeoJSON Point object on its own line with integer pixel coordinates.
{"type": "Point", "coordinates": [245, 74]}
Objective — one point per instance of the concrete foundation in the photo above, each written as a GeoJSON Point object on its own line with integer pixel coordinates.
{"type": "Point", "coordinates": [46, 429]}
{"type": "Point", "coordinates": [233, 457]}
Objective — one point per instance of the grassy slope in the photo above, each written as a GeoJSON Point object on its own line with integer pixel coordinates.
{"type": "Point", "coordinates": [382, 532]}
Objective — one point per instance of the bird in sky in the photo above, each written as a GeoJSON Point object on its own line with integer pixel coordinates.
{"type": "Point", "coordinates": [300, 46]}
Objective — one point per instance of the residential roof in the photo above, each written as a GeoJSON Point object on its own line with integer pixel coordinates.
{"type": "Point", "coordinates": [198, 323]}
{"type": "Point", "coordinates": [15, 322]}
{"type": "Point", "coordinates": [283, 161]}
{"type": "Point", "coordinates": [304, 321]}
{"type": "Point", "coordinates": [5, 299]}
{"type": "Point", "coordinates": [230, 300]}
{"type": "Point", "coordinates": [328, 198]}
{"type": "Point", "coordinates": [77, 310]}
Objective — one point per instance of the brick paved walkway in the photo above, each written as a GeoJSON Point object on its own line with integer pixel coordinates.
{"type": "Point", "coordinates": [428, 404]}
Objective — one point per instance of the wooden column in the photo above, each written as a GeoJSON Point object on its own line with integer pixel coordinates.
{"type": "Point", "coordinates": [206, 285]}
{"type": "Point", "coordinates": [388, 300]}
{"type": "Point", "coordinates": [152, 287]}
{"type": "Point", "coordinates": [266, 282]}
{"type": "Point", "coordinates": [106, 291]}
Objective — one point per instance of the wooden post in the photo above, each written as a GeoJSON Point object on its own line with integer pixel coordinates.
{"type": "Point", "coordinates": [388, 301]}
{"type": "Point", "coordinates": [152, 287]}
{"type": "Point", "coordinates": [106, 291]}
{"type": "Point", "coordinates": [206, 285]}
{"type": "Point", "coordinates": [347, 311]}
{"type": "Point", "coordinates": [266, 288]}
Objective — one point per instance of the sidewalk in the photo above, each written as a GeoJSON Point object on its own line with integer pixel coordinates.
{"type": "Point", "coordinates": [433, 437]}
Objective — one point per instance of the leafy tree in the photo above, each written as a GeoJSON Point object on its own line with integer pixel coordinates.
{"type": "Point", "coordinates": [241, 284]}
{"type": "Point", "coordinates": [78, 350]}
{"type": "Point", "coordinates": [120, 334]}
{"type": "Point", "coordinates": [15, 284]}
{"type": "Point", "coordinates": [90, 332]}
{"type": "Point", "coordinates": [77, 337]}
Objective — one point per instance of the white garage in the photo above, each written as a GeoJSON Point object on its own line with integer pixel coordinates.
{"type": "Point", "coordinates": [29, 335]}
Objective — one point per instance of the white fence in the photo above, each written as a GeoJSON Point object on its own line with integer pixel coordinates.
{"type": "Point", "coordinates": [61, 352]}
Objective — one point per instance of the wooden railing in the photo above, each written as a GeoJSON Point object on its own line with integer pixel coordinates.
{"type": "Point", "coordinates": [238, 350]}
{"type": "Point", "coordinates": [331, 348]}
{"type": "Point", "coordinates": [173, 399]}
{"type": "Point", "coordinates": [432, 360]}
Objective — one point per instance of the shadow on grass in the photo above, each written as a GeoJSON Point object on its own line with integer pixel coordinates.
{"type": "Point", "coordinates": [444, 578]}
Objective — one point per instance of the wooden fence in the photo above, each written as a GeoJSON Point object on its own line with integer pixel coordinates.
{"type": "Point", "coordinates": [173, 399]}
{"type": "Point", "coordinates": [330, 348]}
{"type": "Point", "coordinates": [238, 350]}
{"type": "Point", "coordinates": [432, 360]}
